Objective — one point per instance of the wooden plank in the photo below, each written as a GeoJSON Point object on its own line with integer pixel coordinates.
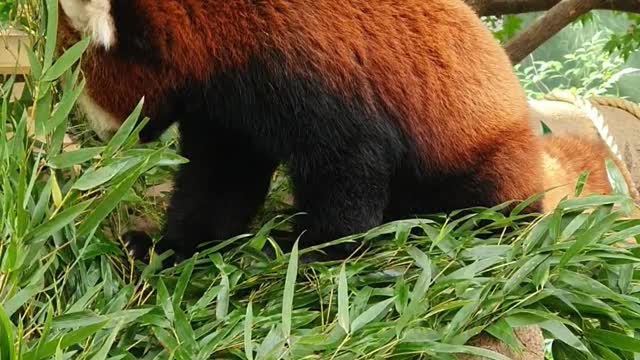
{"type": "Point", "coordinates": [13, 57]}
{"type": "Point", "coordinates": [17, 90]}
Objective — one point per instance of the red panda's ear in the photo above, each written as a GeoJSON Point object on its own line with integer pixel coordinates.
{"type": "Point", "coordinates": [92, 17]}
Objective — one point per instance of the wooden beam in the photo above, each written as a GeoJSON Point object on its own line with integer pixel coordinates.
{"type": "Point", "coordinates": [13, 56]}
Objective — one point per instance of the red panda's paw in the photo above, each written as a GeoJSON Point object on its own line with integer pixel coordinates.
{"type": "Point", "coordinates": [139, 245]}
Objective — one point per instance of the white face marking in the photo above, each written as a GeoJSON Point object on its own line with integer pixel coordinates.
{"type": "Point", "coordinates": [103, 123]}
{"type": "Point", "coordinates": [92, 17]}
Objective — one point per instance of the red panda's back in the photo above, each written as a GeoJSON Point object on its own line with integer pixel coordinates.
{"type": "Point", "coordinates": [430, 65]}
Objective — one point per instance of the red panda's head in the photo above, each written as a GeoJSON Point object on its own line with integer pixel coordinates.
{"type": "Point", "coordinates": [90, 18]}
{"type": "Point", "coordinates": [122, 64]}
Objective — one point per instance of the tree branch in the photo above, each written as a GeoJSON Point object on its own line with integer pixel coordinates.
{"type": "Point", "coordinates": [547, 25]}
{"type": "Point", "coordinates": [506, 7]}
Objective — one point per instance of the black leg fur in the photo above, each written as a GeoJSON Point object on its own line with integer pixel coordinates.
{"type": "Point", "coordinates": [216, 194]}
{"type": "Point", "coordinates": [239, 125]}
{"type": "Point", "coordinates": [344, 195]}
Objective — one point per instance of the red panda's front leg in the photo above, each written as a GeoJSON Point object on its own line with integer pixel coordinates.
{"type": "Point", "coordinates": [215, 196]}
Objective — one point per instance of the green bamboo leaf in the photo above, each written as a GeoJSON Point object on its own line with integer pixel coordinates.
{"type": "Point", "coordinates": [289, 291]}
{"type": "Point", "coordinates": [45, 332]}
{"type": "Point", "coordinates": [59, 354]}
{"type": "Point", "coordinates": [370, 314]}
{"type": "Point", "coordinates": [42, 110]}
{"type": "Point", "coordinates": [6, 336]}
{"type": "Point", "coordinates": [502, 331]}
{"type": "Point", "coordinates": [614, 340]}
{"type": "Point", "coordinates": [421, 259]}
{"type": "Point", "coordinates": [248, 326]}
{"type": "Point", "coordinates": [34, 63]}
{"type": "Point", "coordinates": [616, 179]}
{"type": "Point", "coordinates": [421, 286]}
{"type": "Point", "coordinates": [206, 299]}
{"type": "Point", "coordinates": [416, 299]}
{"type": "Point", "coordinates": [86, 299]}
{"type": "Point", "coordinates": [66, 61]}
{"type": "Point", "coordinates": [65, 105]}
{"type": "Point", "coordinates": [590, 236]}
{"type": "Point", "coordinates": [166, 339]}
{"type": "Point", "coordinates": [439, 349]}
{"type": "Point", "coordinates": [470, 271]}
{"type": "Point", "coordinates": [486, 251]}
{"type": "Point", "coordinates": [183, 282]}
{"type": "Point", "coordinates": [104, 350]}
{"type": "Point", "coordinates": [108, 203]}
{"type": "Point", "coordinates": [57, 223]}
{"type": "Point", "coordinates": [184, 332]}
{"type": "Point", "coordinates": [65, 341]}
{"type": "Point", "coordinates": [164, 301]}
{"type": "Point", "coordinates": [93, 178]}
{"type": "Point", "coordinates": [523, 271]}
{"type": "Point", "coordinates": [77, 320]}
{"type": "Point", "coordinates": [463, 316]}
{"type": "Point", "coordinates": [401, 291]}
{"type": "Point", "coordinates": [222, 302]}
{"type": "Point", "coordinates": [589, 202]}
{"type": "Point", "coordinates": [574, 226]}
{"type": "Point", "coordinates": [21, 298]}
{"type": "Point", "coordinates": [518, 209]}
{"type": "Point", "coordinates": [536, 236]}
{"type": "Point", "coordinates": [604, 352]}
{"type": "Point", "coordinates": [124, 131]}
{"type": "Point", "coordinates": [272, 345]}
{"type": "Point", "coordinates": [581, 183]}
{"type": "Point", "coordinates": [541, 274]}
{"type": "Point", "coordinates": [589, 286]}
{"type": "Point", "coordinates": [51, 32]}
{"type": "Point", "coordinates": [343, 300]}
{"type": "Point", "coordinates": [128, 316]}
{"type": "Point", "coordinates": [561, 332]}
{"type": "Point", "coordinates": [622, 235]}
{"type": "Point", "coordinates": [68, 159]}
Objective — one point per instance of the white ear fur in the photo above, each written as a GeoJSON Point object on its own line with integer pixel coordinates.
{"type": "Point", "coordinates": [92, 17]}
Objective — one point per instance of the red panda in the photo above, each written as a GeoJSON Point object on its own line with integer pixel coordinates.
{"type": "Point", "coordinates": [566, 158]}
{"type": "Point", "coordinates": [581, 141]}
{"type": "Point", "coordinates": [379, 109]}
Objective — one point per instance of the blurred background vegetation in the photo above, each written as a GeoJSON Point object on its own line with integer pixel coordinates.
{"type": "Point", "coordinates": [593, 56]}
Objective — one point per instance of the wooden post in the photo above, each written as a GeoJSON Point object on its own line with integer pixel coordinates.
{"type": "Point", "coordinates": [13, 57]}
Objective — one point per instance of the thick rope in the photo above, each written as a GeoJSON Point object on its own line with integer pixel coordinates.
{"type": "Point", "coordinates": [588, 107]}
{"type": "Point", "coordinates": [618, 103]}
{"type": "Point", "coordinates": [590, 110]}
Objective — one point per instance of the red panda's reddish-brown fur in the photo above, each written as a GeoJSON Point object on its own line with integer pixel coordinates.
{"type": "Point", "coordinates": [566, 158]}
{"type": "Point", "coordinates": [381, 109]}
{"type": "Point", "coordinates": [414, 79]}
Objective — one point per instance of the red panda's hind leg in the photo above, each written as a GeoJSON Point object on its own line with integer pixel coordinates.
{"type": "Point", "coordinates": [514, 168]}
{"type": "Point", "coordinates": [341, 195]}
{"type": "Point", "coordinates": [505, 171]}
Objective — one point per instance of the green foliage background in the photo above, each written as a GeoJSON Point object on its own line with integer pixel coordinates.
{"type": "Point", "coordinates": [6, 6]}
{"type": "Point", "coordinates": [594, 56]}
